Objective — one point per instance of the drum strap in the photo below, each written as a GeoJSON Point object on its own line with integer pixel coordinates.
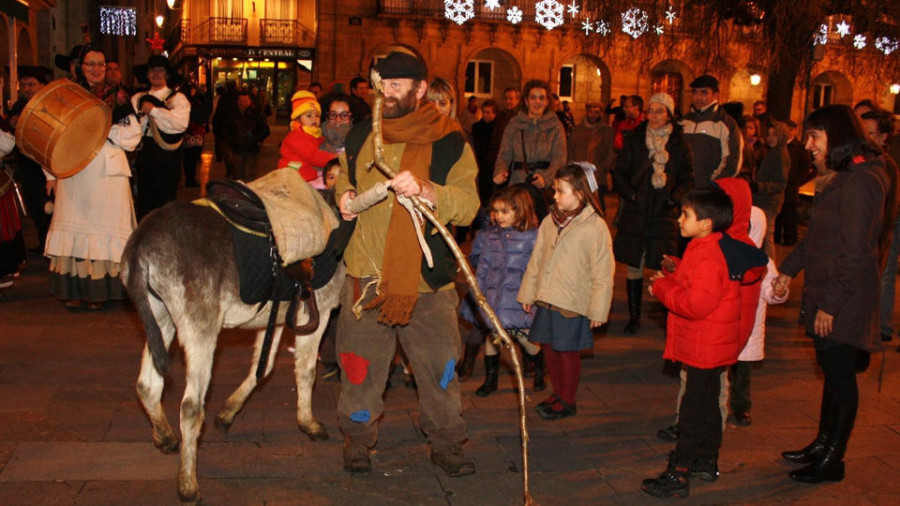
{"type": "Point", "coordinates": [158, 136]}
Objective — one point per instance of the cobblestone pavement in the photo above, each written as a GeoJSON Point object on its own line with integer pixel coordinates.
{"type": "Point", "coordinates": [72, 430]}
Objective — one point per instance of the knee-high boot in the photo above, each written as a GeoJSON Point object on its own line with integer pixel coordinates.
{"type": "Point", "coordinates": [830, 466]}
{"type": "Point", "coordinates": [465, 366]}
{"type": "Point", "coordinates": [491, 364]}
{"type": "Point", "coordinates": [538, 360]}
{"type": "Point", "coordinates": [634, 288]}
{"type": "Point", "coordinates": [816, 449]}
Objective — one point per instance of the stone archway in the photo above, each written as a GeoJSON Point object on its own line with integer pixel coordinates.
{"type": "Point", "coordinates": [830, 87]}
{"type": "Point", "coordinates": [672, 77]}
{"type": "Point", "coordinates": [488, 73]}
{"type": "Point", "coordinates": [583, 78]}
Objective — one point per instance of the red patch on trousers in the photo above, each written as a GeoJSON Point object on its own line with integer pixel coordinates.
{"type": "Point", "coordinates": [355, 367]}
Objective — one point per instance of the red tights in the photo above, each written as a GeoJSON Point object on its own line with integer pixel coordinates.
{"type": "Point", "coordinates": [564, 368]}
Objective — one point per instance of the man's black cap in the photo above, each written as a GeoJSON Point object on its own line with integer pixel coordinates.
{"type": "Point", "coordinates": [398, 65]}
{"type": "Point", "coordinates": [705, 81]}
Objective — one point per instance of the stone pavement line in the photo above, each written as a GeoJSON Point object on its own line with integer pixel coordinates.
{"type": "Point", "coordinates": [55, 461]}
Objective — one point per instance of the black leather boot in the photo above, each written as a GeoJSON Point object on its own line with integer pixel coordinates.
{"type": "Point", "coordinates": [538, 360]}
{"type": "Point", "coordinates": [634, 288]}
{"type": "Point", "coordinates": [816, 449]}
{"type": "Point", "coordinates": [830, 467]}
{"type": "Point", "coordinates": [491, 363]}
{"type": "Point", "coordinates": [465, 366]}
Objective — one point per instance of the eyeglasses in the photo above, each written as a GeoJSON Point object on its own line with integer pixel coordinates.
{"type": "Point", "coordinates": [342, 115]}
{"type": "Point", "coordinates": [92, 64]}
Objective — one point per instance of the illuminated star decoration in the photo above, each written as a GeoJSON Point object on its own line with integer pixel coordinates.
{"type": "Point", "coordinates": [492, 4]}
{"type": "Point", "coordinates": [459, 11]}
{"type": "Point", "coordinates": [587, 26]}
{"type": "Point", "coordinates": [859, 41]}
{"type": "Point", "coordinates": [602, 28]}
{"type": "Point", "coordinates": [886, 45]}
{"type": "Point", "coordinates": [548, 13]}
{"type": "Point", "coordinates": [670, 15]}
{"type": "Point", "coordinates": [156, 43]}
{"type": "Point", "coordinates": [658, 29]}
{"type": "Point", "coordinates": [634, 22]}
{"type": "Point", "coordinates": [573, 9]}
{"type": "Point", "coordinates": [842, 28]}
{"type": "Point", "coordinates": [514, 15]}
{"type": "Point", "coordinates": [822, 36]}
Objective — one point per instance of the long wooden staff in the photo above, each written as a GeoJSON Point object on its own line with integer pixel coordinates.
{"type": "Point", "coordinates": [426, 211]}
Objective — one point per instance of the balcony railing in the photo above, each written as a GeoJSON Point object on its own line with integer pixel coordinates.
{"type": "Point", "coordinates": [284, 31]}
{"type": "Point", "coordinates": [220, 31]}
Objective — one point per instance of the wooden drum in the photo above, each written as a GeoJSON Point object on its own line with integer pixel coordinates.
{"type": "Point", "coordinates": [63, 127]}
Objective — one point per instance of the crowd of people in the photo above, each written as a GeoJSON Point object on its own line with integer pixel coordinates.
{"type": "Point", "coordinates": [703, 198]}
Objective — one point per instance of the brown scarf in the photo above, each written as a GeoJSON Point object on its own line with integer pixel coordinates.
{"type": "Point", "coordinates": [398, 290]}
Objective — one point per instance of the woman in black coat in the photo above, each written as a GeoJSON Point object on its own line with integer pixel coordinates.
{"type": "Point", "coordinates": [653, 171]}
{"type": "Point", "coordinates": [841, 287]}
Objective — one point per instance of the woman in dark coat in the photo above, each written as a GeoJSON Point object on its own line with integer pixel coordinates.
{"type": "Point", "coordinates": [653, 171]}
{"type": "Point", "coordinates": [841, 286]}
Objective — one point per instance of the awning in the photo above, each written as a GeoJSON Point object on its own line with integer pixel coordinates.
{"type": "Point", "coordinates": [15, 8]}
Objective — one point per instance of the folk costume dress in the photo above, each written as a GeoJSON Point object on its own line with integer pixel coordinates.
{"type": "Point", "coordinates": [94, 216]}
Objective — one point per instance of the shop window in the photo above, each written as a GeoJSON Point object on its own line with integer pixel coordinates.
{"type": "Point", "coordinates": [479, 78]}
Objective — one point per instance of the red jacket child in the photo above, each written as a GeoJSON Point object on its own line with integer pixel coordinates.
{"type": "Point", "coordinates": [300, 148]}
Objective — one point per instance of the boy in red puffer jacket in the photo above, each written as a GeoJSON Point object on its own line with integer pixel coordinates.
{"type": "Point", "coordinates": [703, 332]}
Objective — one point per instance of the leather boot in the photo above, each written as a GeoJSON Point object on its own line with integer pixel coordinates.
{"type": "Point", "coordinates": [465, 366]}
{"type": "Point", "coordinates": [830, 467]}
{"type": "Point", "coordinates": [634, 288]}
{"type": "Point", "coordinates": [816, 449]}
{"type": "Point", "coordinates": [538, 360]}
{"type": "Point", "coordinates": [491, 364]}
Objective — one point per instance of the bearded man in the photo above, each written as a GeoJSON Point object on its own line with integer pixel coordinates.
{"type": "Point", "coordinates": [401, 298]}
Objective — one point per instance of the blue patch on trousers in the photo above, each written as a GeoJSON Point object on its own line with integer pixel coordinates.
{"type": "Point", "coordinates": [361, 416]}
{"type": "Point", "coordinates": [448, 373]}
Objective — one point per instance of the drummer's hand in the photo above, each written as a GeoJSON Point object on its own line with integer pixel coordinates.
{"type": "Point", "coordinates": [51, 187]}
{"type": "Point", "coordinates": [146, 108]}
{"type": "Point", "coordinates": [13, 120]}
{"type": "Point", "coordinates": [345, 199]}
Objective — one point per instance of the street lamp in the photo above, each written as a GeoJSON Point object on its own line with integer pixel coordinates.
{"type": "Point", "coordinates": [895, 88]}
{"type": "Point", "coordinates": [755, 79]}
{"type": "Point", "coordinates": [159, 21]}
{"type": "Point", "coordinates": [171, 4]}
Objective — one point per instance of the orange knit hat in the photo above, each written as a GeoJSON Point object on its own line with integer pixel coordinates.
{"type": "Point", "coordinates": [303, 101]}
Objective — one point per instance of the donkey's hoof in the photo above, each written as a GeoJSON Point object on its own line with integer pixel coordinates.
{"type": "Point", "coordinates": [223, 423]}
{"type": "Point", "coordinates": [316, 433]}
{"type": "Point", "coordinates": [168, 446]}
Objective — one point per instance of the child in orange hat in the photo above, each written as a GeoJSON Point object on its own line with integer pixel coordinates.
{"type": "Point", "coordinates": [300, 148]}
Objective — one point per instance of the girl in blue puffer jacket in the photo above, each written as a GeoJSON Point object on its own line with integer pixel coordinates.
{"type": "Point", "coordinates": [500, 254]}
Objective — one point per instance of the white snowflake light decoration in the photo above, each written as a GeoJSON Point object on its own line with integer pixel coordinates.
{"type": "Point", "coordinates": [514, 15]}
{"type": "Point", "coordinates": [886, 45]}
{"type": "Point", "coordinates": [587, 26]}
{"type": "Point", "coordinates": [459, 11]}
{"type": "Point", "coordinates": [842, 28]}
{"type": "Point", "coordinates": [492, 4]}
{"type": "Point", "coordinates": [658, 29]}
{"type": "Point", "coordinates": [859, 41]}
{"type": "Point", "coordinates": [634, 22]}
{"type": "Point", "coordinates": [822, 36]}
{"type": "Point", "coordinates": [548, 13]}
{"type": "Point", "coordinates": [573, 9]}
{"type": "Point", "coordinates": [670, 15]}
{"type": "Point", "coordinates": [603, 28]}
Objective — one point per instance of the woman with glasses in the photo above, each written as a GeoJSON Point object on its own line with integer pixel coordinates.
{"type": "Point", "coordinates": [94, 214]}
{"type": "Point", "coordinates": [337, 121]}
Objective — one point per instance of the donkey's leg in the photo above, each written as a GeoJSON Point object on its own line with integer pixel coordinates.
{"type": "Point", "coordinates": [198, 354]}
{"type": "Point", "coordinates": [239, 397]}
{"type": "Point", "coordinates": [150, 384]}
{"type": "Point", "coordinates": [306, 350]}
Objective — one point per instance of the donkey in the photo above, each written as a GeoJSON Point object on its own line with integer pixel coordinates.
{"type": "Point", "coordinates": [180, 269]}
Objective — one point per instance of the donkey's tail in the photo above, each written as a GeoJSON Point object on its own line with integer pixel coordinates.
{"type": "Point", "coordinates": [136, 276]}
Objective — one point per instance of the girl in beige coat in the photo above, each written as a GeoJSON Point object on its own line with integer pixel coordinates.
{"type": "Point", "coordinates": [569, 279]}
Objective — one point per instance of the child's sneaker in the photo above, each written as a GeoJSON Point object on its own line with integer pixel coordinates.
{"type": "Point", "coordinates": [673, 482]}
{"type": "Point", "coordinates": [706, 468]}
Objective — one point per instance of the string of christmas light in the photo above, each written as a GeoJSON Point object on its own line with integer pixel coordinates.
{"type": "Point", "coordinates": [118, 20]}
